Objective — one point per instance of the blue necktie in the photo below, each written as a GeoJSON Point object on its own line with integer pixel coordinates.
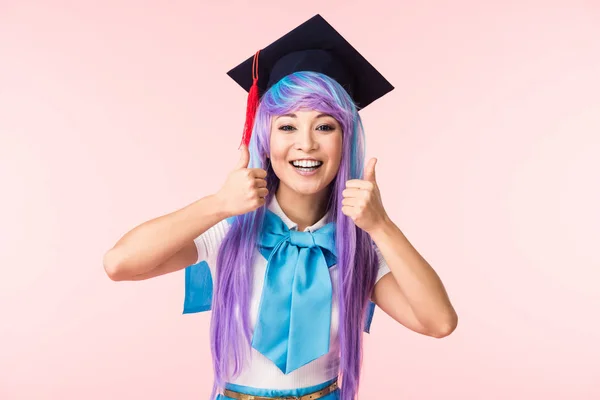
{"type": "Point", "coordinates": [294, 315]}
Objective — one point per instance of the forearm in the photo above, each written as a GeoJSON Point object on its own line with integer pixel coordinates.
{"type": "Point", "coordinates": [153, 242]}
{"type": "Point", "coordinates": [418, 281]}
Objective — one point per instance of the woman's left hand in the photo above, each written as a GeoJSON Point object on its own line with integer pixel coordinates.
{"type": "Point", "coordinates": [362, 201]}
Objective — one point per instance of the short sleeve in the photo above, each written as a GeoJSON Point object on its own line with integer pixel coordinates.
{"type": "Point", "coordinates": [383, 267]}
{"type": "Point", "coordinates": [207, 244]}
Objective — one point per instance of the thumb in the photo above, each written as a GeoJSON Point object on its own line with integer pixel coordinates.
{"type": "Point", "coordinates": [369, 174]}
{"type": "Point", "coordinates": [244, 157]}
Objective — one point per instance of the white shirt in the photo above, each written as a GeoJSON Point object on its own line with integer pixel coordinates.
{"type": "Point", "coordinates": [261, 372]}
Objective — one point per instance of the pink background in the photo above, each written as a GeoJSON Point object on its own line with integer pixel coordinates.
{"type": "Point", "coordinates": [112, 113]}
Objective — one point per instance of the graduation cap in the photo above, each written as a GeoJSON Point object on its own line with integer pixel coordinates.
{"type": "Point", "coordinates": [312, 46]}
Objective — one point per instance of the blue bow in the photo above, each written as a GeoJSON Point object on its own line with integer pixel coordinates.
{"type": "Point", "coordinates": [294, 315]}
{"type": "Point", "coordinates": [199, 290]}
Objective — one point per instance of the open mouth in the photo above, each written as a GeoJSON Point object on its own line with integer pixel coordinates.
{"type": "Point", "coordinates": [306, 165]}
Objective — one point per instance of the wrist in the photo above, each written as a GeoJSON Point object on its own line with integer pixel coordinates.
{"type": "Point", "coordinates": [382, 229]}
{"type": "Point", "coordinates": [220, 206]}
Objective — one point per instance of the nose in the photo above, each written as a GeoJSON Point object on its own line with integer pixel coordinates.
{"type": "Point", "coordinates": [305, 140]}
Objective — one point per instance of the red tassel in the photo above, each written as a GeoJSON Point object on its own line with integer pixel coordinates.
{"type": "Point", "coordinates": [252, 104]}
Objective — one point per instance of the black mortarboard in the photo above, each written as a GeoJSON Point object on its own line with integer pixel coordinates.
{"type": "Point", "coordinates": [313, 46]}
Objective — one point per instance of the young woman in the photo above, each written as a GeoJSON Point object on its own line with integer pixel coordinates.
{"type": "Point", "coordinates": [297, 241]}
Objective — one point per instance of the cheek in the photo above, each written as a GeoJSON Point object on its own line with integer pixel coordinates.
{"type": "Point", "coordinates": [334, 150]}
{"type": "Point", "coordinates": [277, 155]}
{"type": "Point", "coordinates": [277, 148]}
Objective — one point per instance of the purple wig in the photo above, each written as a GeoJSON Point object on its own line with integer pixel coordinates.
{"type": "Point", "coordinates": [356, 257]}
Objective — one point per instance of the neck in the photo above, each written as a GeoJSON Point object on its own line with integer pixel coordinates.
{"type": "Point", "coordinates": [304, 210]}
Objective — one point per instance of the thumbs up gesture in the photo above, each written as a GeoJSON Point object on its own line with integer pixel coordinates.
{"type": "Point", "coordinates": [245, 188]}
{"type": "Point", "coordinates": [362, 200]}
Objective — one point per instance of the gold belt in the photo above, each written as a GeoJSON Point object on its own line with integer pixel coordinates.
{"type": "Point", "coordinates": [310, 396]}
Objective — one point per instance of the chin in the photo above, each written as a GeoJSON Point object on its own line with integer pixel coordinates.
{"type": "Point", "coordinates": [308, 191]}
{"type": "Point", "coordinates": [307, 188]}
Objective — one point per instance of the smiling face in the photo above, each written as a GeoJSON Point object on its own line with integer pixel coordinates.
{"type": "Point", "coordinates": [306, 149]}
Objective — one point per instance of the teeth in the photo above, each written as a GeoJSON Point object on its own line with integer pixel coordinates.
{"type": "Point", "coordinates": [306, 163]}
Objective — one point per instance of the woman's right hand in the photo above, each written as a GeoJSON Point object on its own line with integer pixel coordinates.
{"type": "Point", "coordinates": [245, 188]}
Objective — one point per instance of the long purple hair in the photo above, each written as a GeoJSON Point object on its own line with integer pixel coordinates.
{"type": "Point", "coordinates": [356, 258]}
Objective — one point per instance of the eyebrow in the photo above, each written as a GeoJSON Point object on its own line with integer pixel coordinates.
{"type": "Point", "coordinates": [292, 115]}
